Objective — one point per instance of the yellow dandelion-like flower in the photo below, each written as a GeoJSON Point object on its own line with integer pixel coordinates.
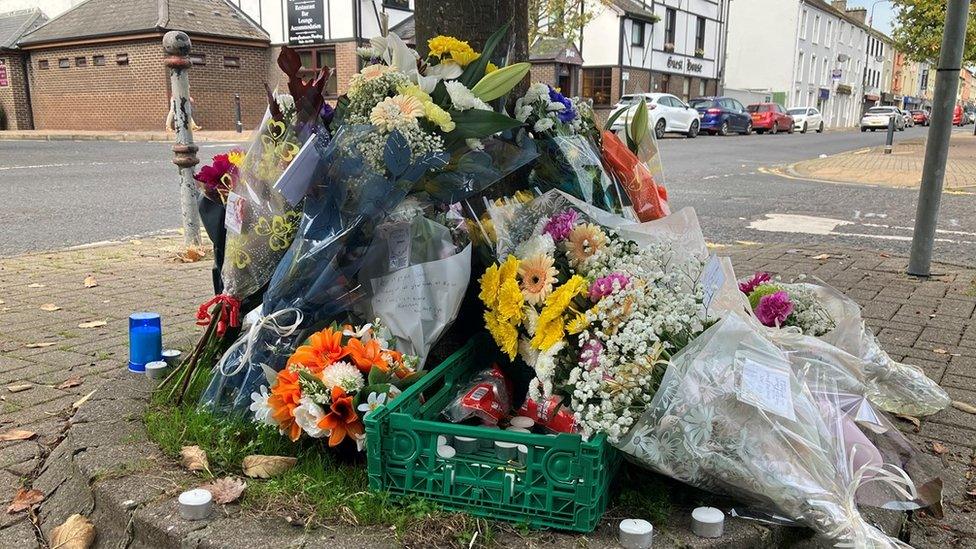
{"type": "Point", "coordinates": [551, 326]}
{"type": "Point", "coordinates": [236, 157]}
{"type": "Point", "coordinates": [439, 116]}
{"type": "Point", "coordinates": [413, 90]}
{"type": "Point", "coordinates": [464, 57]}
{"type": "Point", "coordinates": [441, 45]}
{"type": "Point", "coordinates": [509, 268]}
{"type": "Point", "coordinates": [504, 334]}
{"type": "Point", "coordinates": [577, 324]}
{"type": "Point", "coordinates": [489, 286]}
{"type": "Point", "coordinates": [510, 301]}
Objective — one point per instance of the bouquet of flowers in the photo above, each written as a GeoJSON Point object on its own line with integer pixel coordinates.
{"type": "Point", "coordinates": [331, 382]}
{"type": "Point", "coordinates": [823, 312]}
{"type": "Point", "coordinates": [216, 180]}
{"type": "Point", "coordinates": [565, 134]}
{"type": "Point", "coordinates": [637, 164]}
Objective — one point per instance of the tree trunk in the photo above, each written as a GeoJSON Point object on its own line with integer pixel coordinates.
{"type": "Point", "coordinates": [475, 21]}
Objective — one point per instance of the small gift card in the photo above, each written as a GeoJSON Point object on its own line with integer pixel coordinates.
{"type": "Point", "coordinates": [398, 245]}
{"type": "Point", "coordinates": [713, 278]}
{"type": "Point", "coordinates": [765, 383]}
{"type": "Point", "coordinates": [297, 177]}
{"type": "Point", "coordinates": [234, 218]}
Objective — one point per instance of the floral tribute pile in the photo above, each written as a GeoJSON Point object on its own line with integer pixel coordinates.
{"type": "Point", "coordinates": [777, 305]}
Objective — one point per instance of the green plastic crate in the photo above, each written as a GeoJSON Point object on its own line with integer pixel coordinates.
{"type": "Point", "coordinates": [563, 485]}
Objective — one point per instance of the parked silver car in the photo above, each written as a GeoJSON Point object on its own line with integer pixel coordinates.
{"type": "Point", "coordinates": [877, 119]}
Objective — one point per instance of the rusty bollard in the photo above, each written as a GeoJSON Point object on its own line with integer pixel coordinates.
{"type": "Point", "coordinates": [176, 45]}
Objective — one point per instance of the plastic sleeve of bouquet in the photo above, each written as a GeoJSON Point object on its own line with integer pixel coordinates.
{"type": "Point", "coordinates": [732, 416]}
{"type": "Point", "coordinates": [572, 164]}
{"type": "Point", "coordinates": [640, 181]}
{"type": "Point", "coordinates": [473, 171]}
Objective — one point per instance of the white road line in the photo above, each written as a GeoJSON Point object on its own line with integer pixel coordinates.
{"type": "Point", "coordinates": [825, 226]}
{"type": "Point", "coordinates": [68, 164]}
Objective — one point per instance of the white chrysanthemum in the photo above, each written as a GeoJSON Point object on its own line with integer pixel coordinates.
{"type": "Point", "coordinates": [367, 53]}
{"type": "Point", "coordinates": [474, 144]}
{"type": "Point", "coordinates": [259, 405]}
{"type": "Point", "coordinates": [543, 124]}
{"type": "Point", "coordinates": [462, 98]}
{"type": "Point", "coordinates": [307, 416]}
{"type": "Point", "coordinates": [541, 244]}
{"type": "Point", "coordinates": [527, 352]}
{"type": "Point", "coordinates": [343, 374]}
{"type": "Point", "coordinates": [285, 102]}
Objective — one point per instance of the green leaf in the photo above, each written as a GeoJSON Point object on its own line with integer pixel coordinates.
{"type": "Point", "coordinates": [377, 375]}
{"type": "Point", "coordinates": [638, 123]}
{"type": "Point", "coordinates": [475, 123]}
{"type": "Point", "coordinates": [476, 70]}
{"type": "Point", "coordinates": [402, 384]}
{"type": "Point", "coordinates": [613, 118]}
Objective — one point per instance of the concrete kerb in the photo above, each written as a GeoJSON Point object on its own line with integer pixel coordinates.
{"type": "Point", "coordinates": [123, 136]}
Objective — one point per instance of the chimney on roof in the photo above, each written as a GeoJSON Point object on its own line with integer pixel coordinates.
{"type": "Point", "coordinates": [858, 14]}
{"type": "Point", "coordinates": [840, 5]}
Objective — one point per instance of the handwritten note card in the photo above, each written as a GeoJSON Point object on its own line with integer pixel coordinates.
{"type": "Point", "coordinates": [766, 387]}
{"type": "Point", "coordinates": [713, 278]}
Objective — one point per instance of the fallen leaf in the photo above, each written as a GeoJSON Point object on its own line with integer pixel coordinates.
{"type": "Point", "coordinates": [939, 448]}
{"type": "Point", "coordinates": [39, 345]}
{"type": "Point", "coordinates": [968, 408]}
{"type": "Point", "coordinates": [940, 351]}
{"type": "Point", "coordinates": [90, 281]}
{"type": "Point", "coordinates": [19, 387]}
{"type": "Point", "coordinates": [258, 466]}
{"type": "Point", "coordinates": [194, 459]}
{"type": "Point", "coordinates": [77, 404]}
{"type": "Point", "coordinates": [822, 256]}
{"type": "Point", "coordinates": [191, 255]}
{"type": "Point", "coordinates": [50, 307]}
{"type": "Point", "coordinates": [92, 324]}
{"type": "Point", "coordinates": [77, 532]}
{"type": "Point", "coordinates": [16, 434]}
{"type": "Point", "coordinates": [35, 285]}
{"type": "Point", "coordinates": [226, 489]}
{"type": "Point", "coordinates": [882, 254]}
{"type": "Point", "coordinates": [24, 500]}
{"type": "Point", "coordinates": [69, 383]}
{"type": "Point", "coordinates": [911, 419]}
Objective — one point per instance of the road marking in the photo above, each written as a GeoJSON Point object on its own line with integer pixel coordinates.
{"type": "Point", "coordinates": [68, 164]}
{"type": "Point", "coordinates": [825, 226]}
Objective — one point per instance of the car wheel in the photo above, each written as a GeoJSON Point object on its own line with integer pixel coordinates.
{"type": "Point", "coordinates": [863, 130]}
{"type": "Point", "coordinates": [804, 128]}
{"type": "Point", "coordinates": [724, 129]}
{"type": "Point", "coordinates": [693, 130]}
{"type": "Point", "coordinates": [820, 129]}
{"type": "Point", "coordinates": [659, 129]}
{"type": "Point", "coordinates": [774, 128]}
{"type": "Point", "coordinates": [791, 129]}
{"type": "Point", "coordinates": [748, 129]}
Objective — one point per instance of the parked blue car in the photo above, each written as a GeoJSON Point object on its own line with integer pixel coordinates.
{"type": "Point", "coordinates": [722, 115]}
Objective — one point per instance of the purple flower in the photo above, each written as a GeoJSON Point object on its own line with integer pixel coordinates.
{"type": "Point", "coordinates": [590, 353]}
{"type": "Point", "coordinates": [568, 113]}
{"type": "Point", "coordinates": [560, 225]}
{"type": "Point", "coordinates": [757, 279]}
{"type": "Point", "coordinates": [603, 287]}
{"type": "Point", "coordinates": [327, 113]}
{"type": "Point", "coordinates": [774, 309]}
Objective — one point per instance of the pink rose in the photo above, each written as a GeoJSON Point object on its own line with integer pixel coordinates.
{"type": "Point", "coordinates": [774, 309]}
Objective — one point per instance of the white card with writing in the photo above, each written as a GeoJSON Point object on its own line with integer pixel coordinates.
{"type": "Point", "coordinates": [398, 242]}
{"type": "Point", "coordinates": [765, 387]}
{"type": "Point", "coordinates": [713, 278]}
{"type": "Point", "coordinates": [234, 216]}
{"type": "Point", "coordinates": [297, 177]}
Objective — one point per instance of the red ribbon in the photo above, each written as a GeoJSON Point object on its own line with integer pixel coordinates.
{"type": "Point", "coordinates": [230, 313]}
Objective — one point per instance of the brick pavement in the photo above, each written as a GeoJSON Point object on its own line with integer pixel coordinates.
{"type": "Point", "coordinates": [902, 168]}
{"type": "Point", "coordinates": [94, 135]}
{"type": "Point", "coordinates": [930, 323]}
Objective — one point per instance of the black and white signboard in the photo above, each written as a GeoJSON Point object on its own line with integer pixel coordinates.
{"type": "Point", "coordinates": [306, 22]}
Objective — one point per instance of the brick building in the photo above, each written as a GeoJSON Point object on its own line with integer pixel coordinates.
{"type": "Point", "coordinates": [100, 66]}
{"type": "Point", "coordinates": [556, 61]}
{"type": "Point", "coordinates": [15, 112]}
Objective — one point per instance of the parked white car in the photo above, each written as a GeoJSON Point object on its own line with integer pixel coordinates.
{"type": "Point", "coordinates": [666, 114]}
{"type": "Point", "coordinates": [806, 118]}
{"type": "Point", "coordinates": [909, 121]}
{"type": "Point", "coordinates": [877, 119]}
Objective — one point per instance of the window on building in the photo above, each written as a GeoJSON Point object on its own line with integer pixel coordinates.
{"type": "Point", "coordinates": [701, 87]}
{"type": "Point", "coordinates": [816, 29]}
{"type": "Point", "coordinates": [830, 33]}
{"type": "Point", "coordinates": [803, 25]}
{"type": "Point", "coordinates": [825, 75]}
{"type": "Point", "coordinates": [924, 82]}
{"type": "Point", "coordinates": [232, 62]}
{"type": "Point", "coordinates": [198, 58]}
{"type": "Point", "coordinates": [799, 67]}
{"type": "Point", "coordinates": [81, 61]}
{"type": "Point", "coordinates": [637, 33]}
{"type": "Point", "coordinates": [315, 59]}
{"type": "Point", "coordinates": [597, 83]}
{"type": "Point", "coordinates": [122, 58]}
{"type": "Point", "coordinates": [670, 24]}
{"type": "Point", "coordinates": [44, 65]}
{"type": "Point", "coordinates": [98, 60]}
{"type": "Point", "coordinates": [64, 62]}
{"type": "Point", "coordinates": [813, 69]}
{"type": "Point", "coordinates": [700, 35]}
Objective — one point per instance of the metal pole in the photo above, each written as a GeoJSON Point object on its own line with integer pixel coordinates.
{"type": "Point", "coordinates": [891, 134]}
{"type": "Point", "coordinates": [237, 112]}
{"type": "Point", "coordinates": [937, 147]}
{"type": "Point", "coordinates": [176, 44]}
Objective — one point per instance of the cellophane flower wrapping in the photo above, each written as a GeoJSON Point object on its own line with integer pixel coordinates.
{"type": "Point", "coordinates": [736, 415]}
{"type": "Point", "coordinates": [357, 257]}
{"type": "Point", "coordinates": [641, 175]}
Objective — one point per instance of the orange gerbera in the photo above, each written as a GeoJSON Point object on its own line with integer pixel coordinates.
{"type": "Point", "coordinates": [285, 397]}
{"type": "Point", "coordinates": [366, 356]}
{"type": "Point", "coordinates": [323, 348]}
{"type": "Point", "coordinates": [342, 419]}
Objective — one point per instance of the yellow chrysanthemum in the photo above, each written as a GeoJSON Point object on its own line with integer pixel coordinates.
{"type": "Point", "coordinates": [489, 286]}
{"type": "Point", "coordinates": [236, 157]}
{"type": "Point", "coordinates": [577, 324]}
{"type": "Point", "coordinates": [413, 90]}
{"type": "Point", "coordinates": [490, 68]}
{"type": "Point", "coordinates": [549, 334]}
{"type": "Point", "coordinates": [441, 45]}
{"type": "Point", "coordinates": [464, 57]}
{"type": "Point", "coordinates": [504, 334]}
{"type": "Point", "coordinates": [510, 301]}
{"type": "Point", "coordinates": [551, 326]}
{"type": "Point", "coordinates": [509, 268]}
{"type": "Point", "coordinates": [439, 116]}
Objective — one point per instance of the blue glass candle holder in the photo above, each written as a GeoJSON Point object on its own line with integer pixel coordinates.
{"type": "Point", "coordinates": [145, 340]}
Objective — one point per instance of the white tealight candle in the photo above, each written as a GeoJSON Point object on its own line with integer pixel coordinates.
{"type": "Point", "coordinates": [707, 522]}
{"type": "Point", "coordinates": [195, 504]}
{"type": "Point", "coordinates": [172, 356]}
{"type": "Point", "coordinates": [522, 421]}
{"type": "Point", "coordinates": [157, 369]}
{"type": "Point", "coordinates": [466, 445]}
{"type": "Point", "coordinates": [518, 430]}
{"type": "Point", "coordinates": [636, 534]}
{"type": "Point", "coordinates": [446, 452]}
{"type": "Point", "coordinates": [443, 440]}
{"type": "Point", "coordinates": [523, 454]}
{"type": "Point", "coordinates": [505, 451]}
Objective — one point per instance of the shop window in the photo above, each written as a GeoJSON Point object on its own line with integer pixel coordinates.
{"type": "Point", "coordinates": [198, 58]}
{"type": "Point", "coordinates": [700, 36]}
{"type": "Point", "coordinates": [64, 62]}
{"type": "Point", "coordinates": [597, 85]}
{"type": "Point", "coordinates": [313, 60]}
{"type": "Point", "coordinates": [98, 60]}
{"type": "Point", "coordinates": [81, 61]}
{"type": "Point", "coordinates": [44, 65]}
{"type": "Point", "coordinates": [670, 24]}
{"type": "Point", "coordinates": [122, 58]}
{"type": "Point", "coordinates": [231, 61]}
{"type": "Point", "coordinates": [637, 34]}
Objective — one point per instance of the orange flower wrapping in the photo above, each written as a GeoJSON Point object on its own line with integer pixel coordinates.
{"type": "Point", "coordinates": [342, 420]}
{"type": "Point", "coordinates": [650, 199]}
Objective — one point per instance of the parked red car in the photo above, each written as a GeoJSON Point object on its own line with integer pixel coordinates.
{"type": "Point", "coordinates": [957, 116]}
{"type": "Point", "coordinates": [921, 117]}
{"type": "Point", "coordinates": [770, 117]}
